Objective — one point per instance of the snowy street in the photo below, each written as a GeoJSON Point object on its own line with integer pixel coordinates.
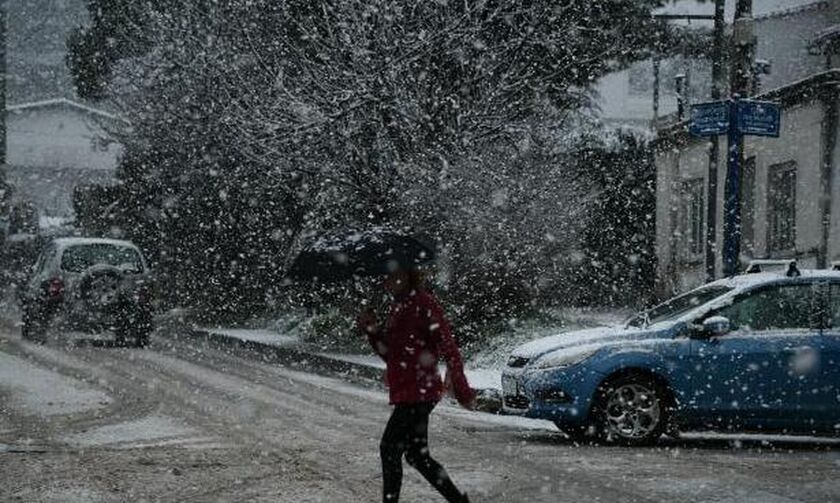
{"type": "Point", "coordinates": [94, 423]}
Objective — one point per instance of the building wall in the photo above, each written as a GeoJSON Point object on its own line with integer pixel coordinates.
{"type": "Point", "coordinates": [834, 242]}
{"type": "Point", "coordinates": [51, 150]}
{"type": "Point", "coordinates": [51, 189]}
{"type": "Point", "coordinates": [782, 39]}
{"type": "Point", "coordinates": [618, 104]}
{"type": "Point", "coordinates": [58, 137]}
{"type": "Point", "coordinates": [800, 142]}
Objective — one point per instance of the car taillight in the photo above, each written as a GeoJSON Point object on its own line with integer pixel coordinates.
{"type": "Point", "coordinates": [55, 288]}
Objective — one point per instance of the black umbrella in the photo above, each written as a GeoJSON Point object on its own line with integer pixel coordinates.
{"type": "Point", "coordinates": [348, 254]}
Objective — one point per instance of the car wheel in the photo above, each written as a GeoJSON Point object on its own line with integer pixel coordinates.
{"type": "Point", "coordinates": [120, 338]}
{"type": "Point", "coordinates": [100, 288]}
{"type": "Point", "coordinates": [32, 328]}
{"type": "Point", "coordinates": [135, 326]}
{"type": "Point", "coordinates": [141, 340]}
{"type": "Point", "coordinates": [632, 410]}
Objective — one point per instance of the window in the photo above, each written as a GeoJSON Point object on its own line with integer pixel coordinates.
{"type": "Point", "coordinates": [834, 306]}
{"type": "Point", "coordinates": [641, 77]}
{"type": "Point", "coordinates": [772, 308]}
{"type": "Point", "coordinates": [781, 208]}
{"type": "Point", "coordinates": [678, 306]}
{"type": "Point", "coordinates": [748, 207]}
{"type": "Point", "coordinates": [692, 228]}
{"type": "Point", "coordinates": [80, 258]}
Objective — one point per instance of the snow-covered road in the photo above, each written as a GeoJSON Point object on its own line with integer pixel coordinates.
{"type": "Point", "coordinates": [173, 423]}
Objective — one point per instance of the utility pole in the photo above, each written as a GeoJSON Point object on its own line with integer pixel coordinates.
{"type": "Point", "coordinates": [4, 187]}
{"type": "Point", "coordinates": [2, 92]}
{"type": "Point", "coordinates": [743, 42]}
{"type": "Point", "coordinates": [657, 56]}
{"type": "Point", "coordinates": [714, 147]}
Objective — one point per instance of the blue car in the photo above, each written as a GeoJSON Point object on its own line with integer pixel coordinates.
{"type": "Point", "coordinates": [757, 352]}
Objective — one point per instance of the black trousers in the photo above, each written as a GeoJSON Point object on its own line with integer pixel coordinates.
{"type": "Point", "coordinates": [407, 434]}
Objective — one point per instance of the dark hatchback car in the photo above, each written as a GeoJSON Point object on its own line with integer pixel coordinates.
{"type": "Point", "coordinates": [89, 285]}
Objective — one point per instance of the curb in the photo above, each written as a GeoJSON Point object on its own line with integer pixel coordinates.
{"type": "Point", "coordinates": [269, 353]}
{"type": "Point", "coordinates": [488, 400]}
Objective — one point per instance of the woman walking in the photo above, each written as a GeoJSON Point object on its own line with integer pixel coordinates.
{"type": "Point", "coordinates": [415, 336]}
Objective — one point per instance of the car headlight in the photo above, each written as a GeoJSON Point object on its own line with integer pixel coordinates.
{"type": "Point", "coordinates": [564, 358]}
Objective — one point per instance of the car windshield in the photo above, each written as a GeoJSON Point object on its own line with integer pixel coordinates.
{"type": "Point", "coordinates": [79, 258]}
{"type": "Point", "coordinates": [677, 306]}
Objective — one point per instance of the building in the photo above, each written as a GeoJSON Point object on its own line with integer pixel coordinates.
{"type": "Point", "coordinates": [55, 145]}
{"type": "Point", "coordinates": [783, 34]}
{"type": "Point", "coordinates": [790, 185]}
{"type": "Point", "coordinates": [790, 189]}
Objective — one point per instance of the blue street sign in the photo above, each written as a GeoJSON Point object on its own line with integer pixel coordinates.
{"type": "Point", "coordinates": [710, 119]}
{"type": "Point", "coordinates": [759, 118]}
{"type": "Point", "coordinates": [736, 118]}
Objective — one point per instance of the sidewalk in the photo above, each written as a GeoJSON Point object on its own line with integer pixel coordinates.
{"type": "Point", "coordinates": [271, 346]}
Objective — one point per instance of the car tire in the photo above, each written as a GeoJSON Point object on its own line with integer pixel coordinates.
{"type": "Point", "coordinates": [99, 288]}
{"type": "Point", "coordinates": [32, 329]}
{"type": "Point", "coordinates": [141, 340]}
{"type": "Point", "coordinates": [136, 326]}
{"type": "Point", "coordinates": [632, 410]}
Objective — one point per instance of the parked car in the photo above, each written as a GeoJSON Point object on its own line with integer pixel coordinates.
{"type": "Point", "coordinates": [89, 285]}
{"type": "Point", "coordinates": [756, 352]}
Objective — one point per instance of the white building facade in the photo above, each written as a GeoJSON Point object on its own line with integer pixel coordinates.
{"type": "Point", "coordinates": [627, 97]}
{"type": "Point", "coordinates": [55, 145]}
{"type": "Point", "coordinates": [790, 188]}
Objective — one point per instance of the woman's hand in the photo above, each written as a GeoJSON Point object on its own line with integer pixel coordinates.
{"type": "Point", "coordinates": [367, 322]}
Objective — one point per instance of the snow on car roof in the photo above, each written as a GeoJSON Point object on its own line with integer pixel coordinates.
{"type": "Point", "coordinates": [743, 281]}
{"type": "Point", "coordinates": [747, 281]}
{"type": "Point", "coordinates": [67, 242]}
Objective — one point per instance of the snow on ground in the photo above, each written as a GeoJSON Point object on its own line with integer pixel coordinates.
{"type": "Point", "coordinates": [366, 360]}
{"type": "Point", "coordinates": [710, 488]}
{"type": "Point", "coordinates": [262, 336]}
{"type": "Point", "coordinates": [484, 367]}
{"type": "Point", "coordinates": [735, 438]}
{"type": "Point", "coordinates": [72, 495]}
{"type": "Point", "coordinates": [38, 391]}
{"type": "Point", "coordinates": [484, 378]}
{"type": "Point", "coordinates": [478, 378]}
{"type": "Point", "coordinates": [151, 428]}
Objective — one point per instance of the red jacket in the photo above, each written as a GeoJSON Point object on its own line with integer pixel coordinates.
{"type": "Point", "coordinates": [414, 339]}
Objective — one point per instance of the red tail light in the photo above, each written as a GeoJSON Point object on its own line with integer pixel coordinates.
{"type": "Point", "coordinates": [55, 288]}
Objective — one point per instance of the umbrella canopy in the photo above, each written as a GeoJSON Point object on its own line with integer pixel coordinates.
{"type": "Point", "coordinates": [350, 254]}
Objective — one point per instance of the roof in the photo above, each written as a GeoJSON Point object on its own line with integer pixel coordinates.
{"type": "Point", "coordinates": [743, 281]}
{"type": "Point", "coordinates": [791, 94]}
{"type": "Point", "coordinates": [74, 241]}
{"type": "Point", "coordinates": [738, 284]}
{"type": "Point", "coordinates": [824, 39]}
{"type": "Point", "coordinates": [63, 102]}
{"type": "Point", "coordinates": [790, 11]}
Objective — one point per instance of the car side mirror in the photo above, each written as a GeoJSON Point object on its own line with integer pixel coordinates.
{"type": "Point", "coordinates": [716, 326]}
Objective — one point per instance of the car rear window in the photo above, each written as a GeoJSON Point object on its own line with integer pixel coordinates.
{"type": "Point", "coordinates": [79, 258]}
